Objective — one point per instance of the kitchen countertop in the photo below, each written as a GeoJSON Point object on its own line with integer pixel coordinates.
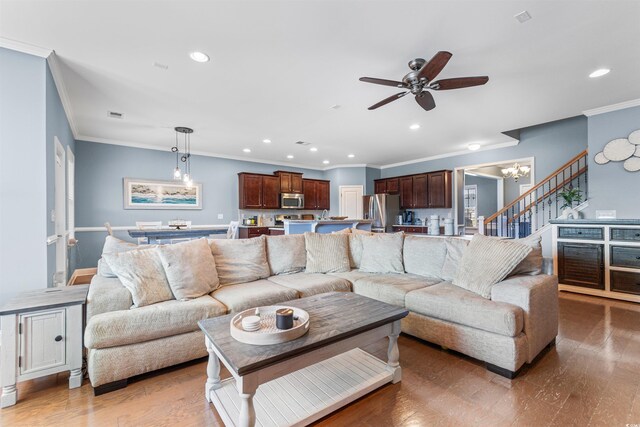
{"type": "Point", "coordinates": [410, 225]}
{"type": "Point", "coordinates": [328, 221]}
{"type": "Point", "coordinates": [583, 221]}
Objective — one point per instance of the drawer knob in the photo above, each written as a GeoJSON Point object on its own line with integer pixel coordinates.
{"type": "Point", "coordinates": [579, 232]}
{"type": "Point", "coordinates": [58, 338]}
{"type": "Point", "coordinates": [638, 257]}
{"type": "Point", "coordinates": [637, 234]}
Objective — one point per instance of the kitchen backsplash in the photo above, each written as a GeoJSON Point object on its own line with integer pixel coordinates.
{"type": "Point", "coordinates": [426, 213]}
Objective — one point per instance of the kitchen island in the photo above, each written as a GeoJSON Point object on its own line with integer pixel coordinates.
{"type": "Point", "coordinates": [299, 226]}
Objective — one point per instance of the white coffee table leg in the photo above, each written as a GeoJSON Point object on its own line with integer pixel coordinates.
{"type": "Point", "coordinates": [247, 387]}
{"type": "Point", "coordinates": [393, 354]}
{"type": "Point", "coordinates": [213, 371]}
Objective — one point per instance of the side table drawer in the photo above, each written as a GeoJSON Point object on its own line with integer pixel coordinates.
{"type": "Point", "coordinates": [42, 340]}
{"type": "Point", "coordinates": [625, 234]}
{"type": "Point", "coordinates": [623, 281]}
{"type": "Point", "coordinates": [586, 233]}
{"type": "Point", "coordinates": [625, 256]}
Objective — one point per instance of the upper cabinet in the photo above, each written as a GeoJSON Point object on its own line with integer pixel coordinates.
{"type": "Point", "coordinates": [317, 194]}
{"type": "Point", "coordinates": [419, 191]}
{"type": "Point", "coordinates": [439, 189]}
{"type": "Point", "coordinates": [258, 191]}
{"type": "Point", "coordinates": [290, 182]}
{"type": "Point", "coordinates": [387, 186]}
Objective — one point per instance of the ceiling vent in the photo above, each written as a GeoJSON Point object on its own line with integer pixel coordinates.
{"type": "Point", "coordinates": [115, 115]}
{"type": "Point", "coordinates": [303, 143]}
{"type": "Point", "coordinates": [522, 17]}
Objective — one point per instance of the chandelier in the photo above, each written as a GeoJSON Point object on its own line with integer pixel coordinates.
{"type": "Point", "coordinates": [183, 173]}
{"type": "Point", "coordinates": [516, 171]}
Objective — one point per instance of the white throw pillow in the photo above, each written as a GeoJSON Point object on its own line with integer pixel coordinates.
{"type": "Point", "coordinates": [487, 261]}
{"type": "Point", "coordinates": [190, 268]}
{"type": "Point", "coordinates": [382, 253]}
{"type": "Point", "coordinates": [355, 247]}
{"type": "Point", "coordinates": [424, 255]}
{"type": "Point", "coordinates": [286, 254]}
{"type": "Point", "coordinates": [455, 249]}
{"type": "Point", "coordinates": [142, 274]}
{"type": "Point", "coordinates": [327, 253]}
{"type": "Point", "coordinates": [240, 260]}
{"type": "Point", "coordinates": [113, 245]}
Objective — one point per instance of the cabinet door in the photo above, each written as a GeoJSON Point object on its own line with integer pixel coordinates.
{"type": "Point", "coordinates": [270, 192]}
{"type": "Point", "coordinates": [393, 186]}
{"type": "Point", "coordinates": [420, 191]}
{"type": "Point", "coordinates": [323, 197]}
{"type": "Point", "coordinates": [285, 182]}
{"type": "Point", "coordinates": [309, 192]}
{"type": "Point", "coordinates": [250, 191]}
{"type": "Point", "coordinates": [296, 183]}
{"type": "Point", "coordinates": [406, 192]}
{"type": "Point", "coordinates": [380, 186]}
{"type": "Point", "coordinates": [581, 264]}
{"type": "Point", "coordinates": [42, 341]}
{"type": "Point", "coordinates": [439, 189]}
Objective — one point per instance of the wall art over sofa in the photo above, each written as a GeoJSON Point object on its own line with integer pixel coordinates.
{"type": "Point", "coordinates": [152, 194]}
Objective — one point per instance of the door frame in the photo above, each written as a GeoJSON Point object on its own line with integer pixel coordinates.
{"type": "Point", "coordinates": [358, 188]}
{"type": "Point", "coordinates": [60, 208]}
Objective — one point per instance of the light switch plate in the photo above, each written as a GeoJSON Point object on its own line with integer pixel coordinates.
{"type": "Point", "coordinates": [220, 216]}
{"type": "Point", "coordinates": [605, 214]}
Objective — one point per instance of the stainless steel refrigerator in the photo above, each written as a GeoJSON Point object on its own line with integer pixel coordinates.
{"type": "Point", "coordinates": [383, 209]}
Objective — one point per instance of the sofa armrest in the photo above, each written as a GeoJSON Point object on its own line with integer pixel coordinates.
{"type": "Point", "coordinates": [538, 297]}
{"type": "Point", "coordinates": [107, 294]}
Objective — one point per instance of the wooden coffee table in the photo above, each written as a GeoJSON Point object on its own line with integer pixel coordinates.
{"type": "Point", "coordinates": [298, 382]}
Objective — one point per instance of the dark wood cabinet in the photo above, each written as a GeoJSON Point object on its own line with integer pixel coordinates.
{"type": "Point", "coordinates": [439, 189]}
{"type": "Point", "coordinates": [420, 191]}
{"type": "Point", "coordinates": [258, 191]}
{"type": "Point", "coordinates": [276, 232]}
{"type": "Point", "coordinates": [387, 186]}
{"type": "Point", "coordinates": [380, 186]}
{"type": "Point", "coordinates": [581, 264]}
{"type": "Point", "coordinates": [317, 194]}
{"type": "Point", "coordinates": [625, 281]}
{"type": "Point", "coordinates": [406, 192]}
{"type": "Point", "coordinates": [249, 232]}
{"type": "Point", "coordinates": [290, 182]}
{"type": "Point", "coordinates": [270, 192]}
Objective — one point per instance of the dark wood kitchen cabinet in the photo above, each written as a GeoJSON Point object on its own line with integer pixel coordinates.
{"type": "Point", "coordinates": [581, 264]}
{"type": "Point", "coordinates": [290, 182]}
{"type": "Point", "coordinates": [380, 186]}
{"type": "Point", "coordinates": [258, 191]}
{"type": "Point", "coordinates": [414, 192]}
{"type": "Point", "coordinates": [387, 186]}
{"type": "Point", "coordinates": [317, 194]}
{"type": "Point", "coordinates": [439, 184]}
{"type": "Point", "coordinates": [252, 231]}
{"type": "Point", "coordinates": [424, 190]}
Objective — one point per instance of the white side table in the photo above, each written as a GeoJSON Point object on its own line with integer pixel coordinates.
{"type": "Point", "coordinates": [41, 335]}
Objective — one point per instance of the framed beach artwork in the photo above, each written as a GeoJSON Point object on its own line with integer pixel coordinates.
{"type": "Point", "coordinates": [151, 194]}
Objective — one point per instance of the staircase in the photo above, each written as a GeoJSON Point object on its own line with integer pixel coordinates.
{"type": "Point", "coordinates": [535, 208]}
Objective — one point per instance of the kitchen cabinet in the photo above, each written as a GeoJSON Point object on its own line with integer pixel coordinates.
{"type": "Point", "coordinates": [414, 192]}
{"type": "Point", "coordinates": [290, 182]}
{"type": "Point", "coordinates": [380, 186]}
{"type": "Point", "coordinates": [422, 191]}
{"type": "Point", "coordinates": [317, 194]}
{"type": "Point", "coordinates": [251, 231]}
{"type": "Point", "coordinates": [386, 186]}
{"type": "Point", "coordinates": [258, 191]}
{"type": "Point", "coordinates": [439, 185]}
{"type": "Point", "coordinates": [276, 232]}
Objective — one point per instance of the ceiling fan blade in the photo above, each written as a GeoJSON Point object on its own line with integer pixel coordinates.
{"type": "Point", "coordinates": [382, 82]}
{"type": "Point", "coordinates": [425, 100]}
{"type": "Point", "coordinates": [388, 100]}
{"type": "Point", "coordinates": [432, 68]}
{"type": "Point", "coordinates": [459, 82]}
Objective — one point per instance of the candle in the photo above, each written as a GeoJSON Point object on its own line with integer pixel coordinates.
{"type": "Point", "coordinates": [284, 318]}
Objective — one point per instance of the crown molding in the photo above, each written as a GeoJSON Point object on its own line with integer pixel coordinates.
{"type": "Point", "coordinates": [452, 154]}
{"type": "Point", "coordinates": [350, 165]}
{"type": "Point", "coordinates": [54, 66]}
{"type": "Point", "coordinates": [23, 47]}
{"type": "Point", "coordinates": [612, 107]}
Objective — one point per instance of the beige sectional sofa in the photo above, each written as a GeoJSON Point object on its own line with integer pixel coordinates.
{"type": "Point", "coordinates": [506, 331]}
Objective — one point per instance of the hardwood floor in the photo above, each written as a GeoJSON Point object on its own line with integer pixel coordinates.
{"type": "Point", "coordinates": [591, 377]}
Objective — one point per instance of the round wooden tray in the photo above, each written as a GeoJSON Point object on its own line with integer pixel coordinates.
{"type": "Point", "coordinates": [268, 334]}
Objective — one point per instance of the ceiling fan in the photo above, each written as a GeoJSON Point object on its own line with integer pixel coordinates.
{"type": "Point", "coordinates": [420, 80]}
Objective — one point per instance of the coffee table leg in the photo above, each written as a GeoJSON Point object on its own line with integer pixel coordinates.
{"type": "Point", "coordinates": [247, 389]}
{"type": "Point", "coordinates": [393, 354]}
{"type": "Point", "coordinates": [213, 371]}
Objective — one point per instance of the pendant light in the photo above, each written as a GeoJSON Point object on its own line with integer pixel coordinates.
{"type": "Point", "coordinates": [183, 173]}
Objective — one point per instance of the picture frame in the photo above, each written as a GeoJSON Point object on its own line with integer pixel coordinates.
{"type": "Point", "coordinates": [158, 194]}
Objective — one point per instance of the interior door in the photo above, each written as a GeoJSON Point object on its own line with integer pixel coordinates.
{"type": "Point", "coordinates": [60, 218]}
{"type": "Point", "coordinates": [351, 201]}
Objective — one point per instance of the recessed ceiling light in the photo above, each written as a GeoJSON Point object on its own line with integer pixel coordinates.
{"type": "Point", "coordinates": [599, 73]}
{"type": "Point", "coordinates": [414, 126]}
{"type": "Point", "coordinates": [266, 141]}
{"type": "Point", "coordinates": [199, 56]}
{"type": "Point", "coordinates": [351, 156]}
{"type": "Point", "coordinates": [326, 162]}
{"type": "Point", "coordinates": [314, 149]}
{"type": "Point", "coordinates": [289, 156]}
{"type": "Point", "coordinates": [246, 150]}
{"type": "Point", "coordinates": [474, 147]}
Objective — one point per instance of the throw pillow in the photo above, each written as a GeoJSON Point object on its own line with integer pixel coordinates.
{"type": "Point", "coordinates": [113, 245]}
{"type": "Point", "coordinates": [488, 261]}
{"type": "Point", "coordinates": [286, 254]}
{"type": "Point", "coordinates": [532, 264]}
{"type": "Point", "coordinates": [327, 253]}
{"type": "Point", "coordinates": [142, 274]}
{"type": "Point", "coordinates": [424, 255]}
{"type": "Point", "coordinates": [455, 249]}
{"type": "Point", "coordinates": [240, 260]}
{"type": "Point", "coordinates": [355, 247]}
{"type": "Point", "coordinates": [343, 231]}
{"type": "Point", "coordinates": [382, 253]}
{"type": "Point", "coordinates": [190, 268]}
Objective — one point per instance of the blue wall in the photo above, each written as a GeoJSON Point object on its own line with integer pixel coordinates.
{"type": "Point", "coordinates": [610, 186]}
{"type": "Point", "coordinates": [487, 194]}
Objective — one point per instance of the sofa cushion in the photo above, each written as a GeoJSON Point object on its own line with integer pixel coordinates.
{"type": "Point", "coordinates": [355, 247]}
{"type": "Point", "coordinates": [190, 268]}
{"type": "Point", "coordinates": [487, 261]}
{"type": "Point", "coordinates": [308, 284]}
{"type": "Point", "coordinates": [391, 288]}
{"type": "Point", "coordinates": [327, 253]}
{"type": "Point", "coordinates": [242, 296]}
{"type": "Point", "coordinates": [352, 275]}
{"type": "Point", "coordinates": [382, 253]}
{"type": "Point", "coordinates": [115, 245]}
{"type": "Point", "coordinates": [455, 249]}
{"type": "Point", "coordinates": [446, 301]}
{"type": "Point", "coordinates": [141, 272]}
{"type": "Point", "coordinates": [286, 254]}
{"type": "Point", "coordinates": [424, 255]}
{"type": "Point", "coordinates": [240, 260]}
{"type": "Point", "coordinates": [150, 322]}
{"type": "Point", "coordinates": [532, 264]}
{"type": "Point", "coordinates": [107, 294]}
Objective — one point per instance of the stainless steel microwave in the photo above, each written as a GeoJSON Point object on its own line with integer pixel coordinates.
{"type": "Point", "coordinates": [291, 201]}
